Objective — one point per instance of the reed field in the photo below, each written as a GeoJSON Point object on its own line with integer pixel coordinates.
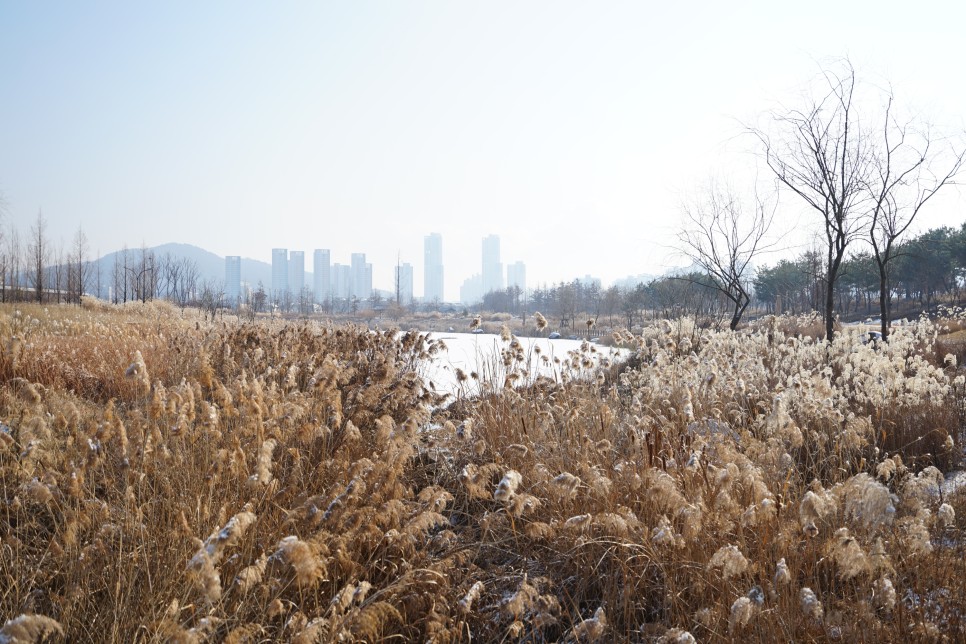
{"type": "Point", "coordinates": [166, 478]}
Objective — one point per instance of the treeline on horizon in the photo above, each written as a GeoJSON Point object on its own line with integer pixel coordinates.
{"type": "Point", "coordinates": [928, 269]}
{"type": "Point", "coordinates": [35, 269]}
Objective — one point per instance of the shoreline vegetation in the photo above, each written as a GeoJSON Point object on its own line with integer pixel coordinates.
{"type": "Point", "coordinates": [167, 477]}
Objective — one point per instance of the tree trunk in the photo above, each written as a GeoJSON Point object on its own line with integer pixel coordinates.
{"type": "Point", "coordinates": [884, 303]}
{"type": "Point", "coordinates": [740, 307]}
{"type": "Point", "coordinates": [829, 309]}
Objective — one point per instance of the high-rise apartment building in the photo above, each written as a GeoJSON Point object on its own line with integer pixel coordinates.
{"type": "Point", "coordinates": [279, 274]}
{"type": "Point", "coordinates": [404, 284]}
{"type": "Point", "coordinates": [433, 268]}
{"type": "Point", "coordinates": [492, 266]}
{"type": "Point", "coordinates": [361, 280]}
{"type": "Point", "coordinates": [296, 272]}
{"type": "Point", "coordinates": [233, 280]}
{"type": "Point", "coordinates": [471, 291]}
{"type": "Point", "coordinates": [322, 275]}
{"type": "Point", "coordinates": [341, 280]}
{"type": "Point", "coordinates": [516, 275]}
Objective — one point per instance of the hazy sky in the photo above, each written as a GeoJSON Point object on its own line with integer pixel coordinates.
{"type": "Point", "coordinates": [570, 129]}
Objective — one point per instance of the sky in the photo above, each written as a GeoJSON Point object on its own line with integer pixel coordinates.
{"type": "Point", "coordinates": [573, 130]}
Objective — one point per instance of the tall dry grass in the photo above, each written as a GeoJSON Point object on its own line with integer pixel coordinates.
{"type": "Point", "coordinates": [170, 479]}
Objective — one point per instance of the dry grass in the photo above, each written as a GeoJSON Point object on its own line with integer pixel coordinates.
{"type": "Point", "coordinates": [293, 482]}
{"type": "Point", "coordinates": [803, 326]}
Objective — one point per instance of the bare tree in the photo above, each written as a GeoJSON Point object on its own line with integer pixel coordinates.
{"type": "Point", "coordinates": [567, 304]}
{"type": "Point", "coordinates": [255, 301]}
{"type": "Point", "coordinates": [821, 153]}
{"type": "Point", "coordinates": [612, 299]}
{"type": "Point", "coordinates": [4, 260]}
{"type": "Point", "coordinates": [162, 265]}
{"type": "Point", "coordinates": [59, 273]}
{"type": "Point", "coordinates": [4, 267]}
{"type": "Point", "coordinates": [188, 281]}
{"type": "Point", "coordinates": [39, 254]}
{"type": "Point", "coordinates": [908, 171]}
{"type": "Point", "coordinates": [78, 269]}
{"type": "Point", "coordinates": [682, 295]}
{"type": "Point", "coordinates": [722, 236]}
{"type": "Point", "coordinates": [143, 276]}
{"type": "Point", "coordinates": [98, 286]}
{"type": "Point", "coordinates": [170, 270]}
{"type": "Point", "coordinates": [305, 301]}
{"type": "Point", "coordinates": [211, 297]}
{"type": "Point", "coordinates": [179, 276]}
{"type": "Point", "coordinates": [72, 278]}
{"type": "Point", "coordinates": [4, 252]}
{"type": "Point", "coordinates": [14, 263]}
{"type": "Point", "coordinates": [119, 280]}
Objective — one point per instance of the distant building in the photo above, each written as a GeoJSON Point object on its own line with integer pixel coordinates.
{"type": "Point", "coordinates": [296, 272]}
{"type": "Point", "coordinates": [590, 281]}
{"type": "Point", "coordinates": [341, 278]}
{"type": "Point", "coordinates": [433, 268]}
{"type": "Point", "coordinates": [404, 284]}
{"type": "Point", "coordinates": [322, 275]}
{"type": "Point", "coordinates": [233, 280]}
{"type": "Point", "coordinates": [516, 275]}
{"type": "Point", "coordinates": [279, 274]}
{"type": "Point", "coordinates": [492, 266]}
{"type": "Point", "coordinates": [471, 292]}
{"type": "Point", "coordinates": [361, 277]}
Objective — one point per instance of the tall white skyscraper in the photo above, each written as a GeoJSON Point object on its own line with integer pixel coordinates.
{"type": "Point", "coordinates": [516, 275]}
{"type": "Point", "coordinates": [404, 284]}
{"type": "Point", "coordinates": [492, 266]}
{"type": "Point", "coordinates": [279, 274]}
{"type": "Point", "coordinates": [321, 275]}
{"type": "Point", "coordinates": [433, 268]}
{"type": "Point", "coordinates": [233, 280]}
{"type": "Point", "coordinates": [296, 272]}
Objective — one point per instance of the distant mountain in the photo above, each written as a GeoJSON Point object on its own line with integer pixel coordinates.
{"type": "Point", "coordinates": [210, 266]}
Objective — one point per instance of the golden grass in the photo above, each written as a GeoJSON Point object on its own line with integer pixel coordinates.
{"type": "Point", "coordinates": [296, 482]}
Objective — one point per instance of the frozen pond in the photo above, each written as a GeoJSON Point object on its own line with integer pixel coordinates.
{"type": "Point", "coordinates": [482, 354]}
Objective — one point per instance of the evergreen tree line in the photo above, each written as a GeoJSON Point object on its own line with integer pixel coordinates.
{"type": "Point", "coordinates": [927, 269]}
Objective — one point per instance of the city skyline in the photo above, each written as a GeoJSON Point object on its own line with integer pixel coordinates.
{"type": "Point", "coordinates": [339, 281]}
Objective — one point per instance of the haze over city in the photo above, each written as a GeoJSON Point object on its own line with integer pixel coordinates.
{"type": "Point", "coordinates": [570, 130]}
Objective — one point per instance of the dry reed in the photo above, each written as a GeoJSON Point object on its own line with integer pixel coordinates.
{"type": "Point", "coordinates": [718, 487]}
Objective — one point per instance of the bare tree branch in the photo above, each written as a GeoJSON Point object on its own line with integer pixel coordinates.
{"type": "Point", "coordinates": [722, 236]}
